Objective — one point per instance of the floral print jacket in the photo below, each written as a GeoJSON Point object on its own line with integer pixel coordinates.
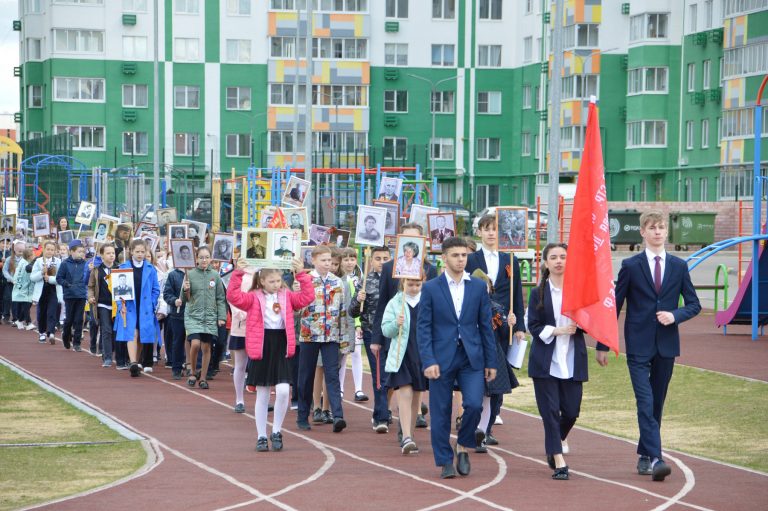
{"type": "Point", "coordinates": [324, 320]}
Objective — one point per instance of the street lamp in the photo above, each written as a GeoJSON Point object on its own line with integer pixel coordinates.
{"type": "Point", "coordinates": [433, 87]}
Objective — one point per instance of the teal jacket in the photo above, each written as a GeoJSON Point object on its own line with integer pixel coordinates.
{"type": "Point", "coordinates": [390, 329]}
{"type": "Point", "coordinates": [23, 287]}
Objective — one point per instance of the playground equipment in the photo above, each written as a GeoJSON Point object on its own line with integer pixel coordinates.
{"type": "Point", "coordinates": [40, 175]}
{"type": "Point", "coordinates": [740, 311]}
{"type": "Point", "coordinates": [10, 155]}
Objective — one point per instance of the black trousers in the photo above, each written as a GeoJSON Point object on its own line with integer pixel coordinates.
{"type": "Point", "coordinates": [559, 403]}
{"type": "Point", "coordinates": [47, 310]}
{"type": "Point", "coordinates": [75, 307]}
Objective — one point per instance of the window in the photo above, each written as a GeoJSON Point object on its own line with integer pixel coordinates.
{"type": "Point", "coordinates": [186, 49]}
{"type": "Point", "coordinates": [396, 54]}
{"type": "Point", "coordinates": [279, 94]}
{"type": "Point", "coordinates": [442, 148]}
{"type": "Point", "coordinates": [444, 9]}
{"type": "Point", "coordinates": [186, 144]}
{"type": "Point", "coordinates": [734, 7]}
{"type": "Point", "coordinates": [719, 130]}
{"type": "Point", "coordinates": [536, 147]}
{"type": "Point", "coordinates": [528, 6]}
{"type": "Point", "coordinates": [78, 41]}
{"type": "Point", "coordinates": [722, 67]}
{"type": "Point", "coordinates": [33, 6]}
{"type": "Point", "coordinates": [396, 9]}
{"type": "Point", "coordinates": [344, 141]}
{"type": "Point", "coordinates": [581, 36]}
{"type": "Point", "coordinates": [239, 50]}
{"type": "Point", "coordinates": [703, 189]}
{"type": "Point", "coordinates": [526, 97]}
{"type": "Point", "coordinates": [134, 47]}
{"type": "Point", "coordinates": [487, 195]}
{"type": "Point", "coordinates": [395, 148]}
{"type": "Point", "coordinates": [708, 14]}
{"type": "Point", "coordinates": [78, 89]}
{"type": "Point", "coordinates": [489, 55]}
{"type": "Point", "coordinates": [187, 96]}
{"type": "Point", "coordinates": [442, 54]}
{"type": "Point", "coordinates": [706, 73]}
{"type": "Point", "coordinates": [187, 7]}
{"type": "Point", "coordinates": [285, 48]}
{"type": "Point", "coordinates": [338, 95]}
{"type": "Point", "coordinates": [740, 123]}
{"type": "Point", "coordinates": [648, 80]}
{"type": "Point", "coordinates": [336, 48]}
{"type": "Point", "coordinates": [646, 134]}
{"type": "Point", "coordinates": [490, 9]}
{"type": "Point", "coordinates": [537, 93]}
{"type": "Point", "coordinates": [572, 138]}
{"type": "Point", "coordinates": [745, 60]}
{"type": "Point", "coordinates": [580, 86]}
{"type": "Point", "coordinates": [446, 192]}
{"type": "Point", "coordinates": [692, 15]}
{"type": "Point", "coordinates": [442, 102]}
{"type": "Point", "coordinates": [335, 5]}
{"type": "Point", "coordinates": [84, 2]}
{"type": "Point", "coordinates": [34, 49]}
{"type": "Point", "coordinates": [691, 77]}
{"type": "Point", "coordinates": [282, 142]}
{"type": "Point", "coordinates": [32, 135]}
{"type": "Point", "coordinates": [135, 143]}
{"type": "Point", "coordinates": [688, 188]}
{"type": "Point", "coordinates": [643, 190]}
{"type": "Point", "coordinates": [83, 137]}
{"type": "Point", "coordinates": [134, 5]}
{"type": "Point", "coordinates": [488, 149]}
{"type": "Point", "coordinates": [649, 26]}
{"type": "Point", "coordinates": [396, 101]}
{"type": "Point", "coordinates": [238, 145]}
{"type": "Point", "coordinates": [525, 147]}
{"type": "Point", "coordinates": [239, 7]}
{"type": "Point", "coordinates": [35, 96]}
{"type": "Point", "coordinates": [490, 102]}
{"type": "Point", "coordinates": [689, 135]}
{"type": "Point", "coordinates": [704, 133]}
{"type": "Point", "coordinates": [135, 95]}
{"type": "Point", "coordinates": [527, 49]}
{"type": "Point", "coordinates": [239, 98]}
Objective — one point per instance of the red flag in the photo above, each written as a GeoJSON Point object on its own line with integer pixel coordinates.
{"type": "Point", "coordinates": [588, 289]}
{"type": "Point", "coordinates": [278, 220]}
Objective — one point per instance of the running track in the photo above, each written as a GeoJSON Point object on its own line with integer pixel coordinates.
{"type": "Point", "coordinates": [204, 457]}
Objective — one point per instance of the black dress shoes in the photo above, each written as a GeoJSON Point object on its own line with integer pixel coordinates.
{"type": "Point", "coordinates": [561, 474]}
{"type": "Point", "coordinates": [462, 463]}
{"type": "Point", "coordinates": [448, 472]}
{"type": "Point", "coordinates": [660, 471]}
{"type": "Point", "coordinates": [644, 466]}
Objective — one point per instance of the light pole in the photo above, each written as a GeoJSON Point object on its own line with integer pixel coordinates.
{"type": "Point", "coordinates": [433, 88]}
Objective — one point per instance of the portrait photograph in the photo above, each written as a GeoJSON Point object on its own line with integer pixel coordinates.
{"type": "Point", "coordinates": [223, 246]}
{"type": "Point", "coordinates": [512, 229]}
{"type": "Point", "coordinates": [85, 213]}
{"type": "Point", "coordinates": [22, 228]}
{"type": "Point", "coordinates": [151, 239]}
{"type": "Point", "coordinates": [122, 284]}
{"type": "Point", "coordinates": [419, 214]}
{"type": "Point", "coordinates": [166, 216]}
{"type": "Point", "coordinates": [183, 253]}
{"type": "Point", "coordinates": [306, 256]}
{"type": "Point", "coordinates": [296, 192]}
{"type": "Point", "coordinates": [284, 245]}
{"type": "Point", "coordinates": [390, 189]}
{"type": "Point", "coordinates": [392, 225]}
{"type": "Point", "coordinates": [266, 215]}
{"type": "Point", "coordinates": [145, 227]}
{"type": "Point", "coordinates": [8, 224]}
{"type": "Point", "coordinates": [297, 218]}
{"type": "Point", "coordinates": [409, 257]}
{"type": "Point", "coordinates": [66, 236]}
{"type": "Point", "coordinates": [341, 238]}
{"type": "Point", "coordinates": [370, 225]}
{"type": "Point", "coordinates": [125, 218]}
{"type": "Point", "coordinates": [256, 241]}
{"type": "Point", "coordinates": [177, 231]}
{"type": "Point", "coordinates": [196, 231]}
{"type": "Point", "coordinates": [41, 224]}
{"type": "Point", "coordinates": [124, 233]}
{"type": "Point", "coordinates": [319, 234]}
{"type": "Point", "coordinates": [101, 232]}
{"type": "Point", "coordinates": [440, 227]}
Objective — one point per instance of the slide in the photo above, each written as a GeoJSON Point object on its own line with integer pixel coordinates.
{"type": "Point", "coordinates": [740, 310]}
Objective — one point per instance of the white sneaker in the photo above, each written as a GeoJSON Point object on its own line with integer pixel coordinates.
{"type": "Point", "coordinates": [31, 326]}
{"type": "Point", "coordinates": [498, 421]}
{"type": "Point", "coordinates": [147, 369]}
{"type": "Point", "coordinates": [19, 325]}
{"type": "Point", "coordinates": [566, 449]}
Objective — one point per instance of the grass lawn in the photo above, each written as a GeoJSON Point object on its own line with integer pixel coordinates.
{"type": "Point", "coordinates": [29, 414]}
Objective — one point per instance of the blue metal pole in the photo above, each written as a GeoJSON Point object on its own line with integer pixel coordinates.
{"type": "Point", "coordinates": [362, 185]}
{"type": "Point", "coordinates": [378, 179]}
{"type": "Point", "coordinates": [164, 190]}
{"type": "Point", "coordinates": [417, 198]}
{"type": "Point", "coordinates": [434, 191]}
{"type": "Point", "coordinates": [757, 201]}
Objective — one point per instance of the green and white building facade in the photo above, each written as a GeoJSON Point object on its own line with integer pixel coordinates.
{"type": "Point", "coordinates": [675, 82]}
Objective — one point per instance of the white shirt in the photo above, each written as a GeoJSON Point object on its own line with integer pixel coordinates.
{"type": "Point", "coordinates": [562, 358]}
{"type": "Point", "coordinates": [457, 291]}
{"type": "Point", "coordinates": [652, 262]}
{"type": "Point", "coordinates": [272, 320]}
{"type": "Point", "coordinates": [491, 263]}
{"type": "Point", "coordinates": [413, 301]}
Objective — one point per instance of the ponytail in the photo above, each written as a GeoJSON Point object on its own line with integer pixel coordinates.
{"type": "Point", "coordinates": [545, 271]}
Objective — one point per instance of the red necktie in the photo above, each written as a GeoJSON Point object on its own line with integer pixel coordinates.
{"type": "Point", "coordinates": [657, 274]}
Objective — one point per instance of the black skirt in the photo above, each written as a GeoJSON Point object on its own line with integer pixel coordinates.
{"type": "Point", "coordinates": [410, 372]}
{"type": "Point", "coordinates": [236, 342]}
{"type": "Point", "coordinates": [505, 379]}
{"type": "Point", "coordinates": [273, 368]}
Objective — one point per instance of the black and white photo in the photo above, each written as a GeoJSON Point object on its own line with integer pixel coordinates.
{"type": "Point", "coordinates": [319, 234]}
{"type": "Point", "coordinates": [66, 236]}
{"type": "Point", "coordinates": [392, 226]}
{"type": "Point", "coordinates": [390, 189]}
{"type": "Point", "coordinates": [419, 214]}
{"type": "Point", "coordinates": [122, 284]}
{"type": "Point", "coordinates": [370, 225]}
{"type": "Point", "coordinates": [85, 213]}
{"type": "Point", "coordinates": [297, 218]}
{"type": "Point", "coordinates": [223, 245]}
{"type": "Point", "coordinates": [41, 224]}
{"type": "Point", "coordinates": [183, 253]}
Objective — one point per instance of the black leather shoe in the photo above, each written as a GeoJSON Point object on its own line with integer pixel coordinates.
{"type": "Point", "coordinates": [561, 474]}
{"type": "Point", "coordinates": [462, 463]}
{"type": "Point", "coordinates": [339, 424]}
{"type": "Point", "coordinates": [551, 461]}
{"type": "Point", "coordinates": [491, 440]}
{"type": "Point", "coordinates": [303, 425]}
{"type": "Point", "coordinates": [421, 422]}
{"type": "Point", "coordinates": [448, 472]}
{"type": "Point", "coordinates": [644, 466]}
{"type": "Point", "coordinates": [660, 471]}
{"type": "Point", "coordinates": [277, 441]}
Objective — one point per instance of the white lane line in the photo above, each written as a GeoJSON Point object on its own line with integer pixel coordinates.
{"type": "Point", "coordinates": [690, 482]}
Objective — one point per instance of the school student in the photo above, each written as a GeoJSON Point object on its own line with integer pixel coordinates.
{"type": "Point", "coordinates": [70, 276]}
{"type": "Point", "coordinates": [237, 336]}
{"type": "Point", "coordinates": [100, 298]}
{"type": "Point", "coordinates": [12, 261]}
{"type": "Point", "coordinates": [270, 339]}
{"type": "Point", "coordinates": [47, 293]}
{"type": "Point", "coordinates": [558, 358]}
{"type": "Point", "coordinates": [651, 283]}
{"type": "Point", "coordinates": [179, 347]}
{"type": "Point", "coordinates": [23, 289]}
{"type": "Point", "coordinates": [355, 339]}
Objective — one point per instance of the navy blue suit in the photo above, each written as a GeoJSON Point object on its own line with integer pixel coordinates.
{"type": "Point", "coordinates": [462, 347]}
{"type": "Point", "coordinates": [652, 347]}
{"type": "Point", "coordinates": [476, 260]}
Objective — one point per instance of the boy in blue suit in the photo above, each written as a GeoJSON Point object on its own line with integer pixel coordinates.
{"type": "Point", "coordinates": [456, 343]}
{"type": "Point", "coordinates": [651, 283]}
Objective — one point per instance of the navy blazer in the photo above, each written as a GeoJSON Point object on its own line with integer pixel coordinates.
{"type": "Point", "coordinates": [476, 260]}
{"type": "Point", "coordinates": [643, 334]}
{"type": "Point", "coordinates": [388, 288]}
{"type": "Point", "coordinates": [438, 328]}
{"type": "Point", "coordinates": [540, 356]}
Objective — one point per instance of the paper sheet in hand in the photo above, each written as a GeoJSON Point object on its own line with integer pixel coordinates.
{"type": "Point", "coordinates": [516, 353]}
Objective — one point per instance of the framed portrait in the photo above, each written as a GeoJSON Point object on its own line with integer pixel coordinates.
{"type": "Point", "coordinates": [340, 238]}
{"type": "Point", "coordinates": [370, 225]}
{"type": "Point", "coordinates": [183, 253]}
{"type": "Point", "coordinates": [419, 215]}
{"type": "Point", "coordinates": [125, 218]}
{"type": "Point", "coordinates": [409, 257]}
{"type": "Point", "coordinates": [22, 228]}
{"type": "Point", "coordinates": [440, 227]}
{"type": "Point", "coordinates": [85, 213]}
{"type": "Point", "coordinates": [306, 256]}
{"type": "Point", "coordinates": [196, 231]}
{"type": "Point", "coordinates": [66, 236]}
{"type": "Point", "coordinates": [390, 189]}
{"type": "Point", "coordinates": [166, 216]}
{"type": "Point", "coordinates": [296, 192]}
{"type": "Point", "coordinates": [266, 215]}
{"type": "Point", "coordinates": [283, 246]}
{"type": "Point", "coordinates": [512, 229]}
{"type": "Point", "coordinates": [297, 218]}
{"type": "Point", "coordinates": [102, 230]}
{"type": "Point", "coordinates": [122, 284]}
{"type": "Point", "coordinates": [41, 224]}
{"type": "Point", "coordinates": [256, 241]}
{"type": "Point", "coordinates": [177, 231]}
{"type": "Point", "coordinates": [319, 234]}
{"type": "Point", "coordinates": [8, 225]}
{"type": "Point", "coordinates": [124, 233]}
{"type": "Point", "coordinates": [392, 225]}
{"type": "Point", "coordinates": [151, 238]}
{"type": "Point", "coordinates": [145, 227]}
{"type": "Point", "coordinates": [391, 243]}
{"type": "Point", "coordinates": [223, 246]}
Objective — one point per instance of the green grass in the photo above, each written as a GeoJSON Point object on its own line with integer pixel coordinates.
{"type": "Point", "coordinates": [29, 414]}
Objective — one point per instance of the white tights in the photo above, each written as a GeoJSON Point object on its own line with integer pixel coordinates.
{"type": "Point", "coordinates": [485, 415]}
{"type": "Point", "coordinates": [238, 376]}
{"type": "Point", "coordinates": [282, 397]}
{"type": "Point", "coordinates": [357, 369]}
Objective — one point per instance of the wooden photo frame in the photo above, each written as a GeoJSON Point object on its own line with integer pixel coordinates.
{"type": "Point", "coordinates": [166, 216]}
{"type": "Point", "coordinates": [183, 253]}
{"type": "Point", "coordinates": [319, 234]}
{"type": "Point", "coordinates": [177, 231]}
{"type": "Point", "coordinates": [102, 230]}
{"type": "Point", "coordinates": [340, 237]}
{"type": "Point", "coordinates": [8, 225]}
{"type": "Point", "coordinates": [512, 229]}
{"type": "Point", "coordinates": [392, 225]}
{"type": "Point", "coordinates": [223, 246]}
{"type": "Point", "coordinates": [440, 226]}
{"type": "Point", "coordinates": [409, 257]}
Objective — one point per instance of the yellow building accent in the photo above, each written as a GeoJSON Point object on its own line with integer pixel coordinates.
{"type": "Point", "coordinates": [8, 145]}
